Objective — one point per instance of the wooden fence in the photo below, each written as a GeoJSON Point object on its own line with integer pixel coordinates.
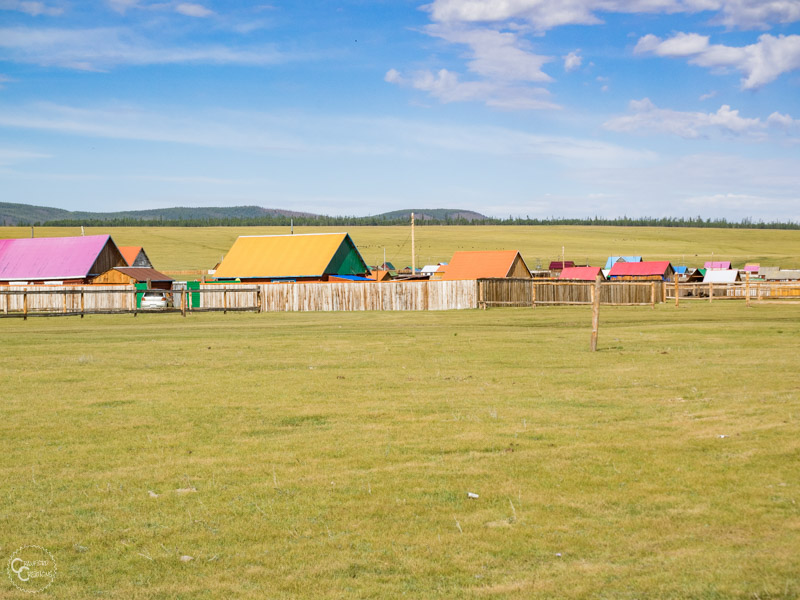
{"type": "Point", "coordinates": [47, 300]}
{"type": "Point", "coordinates": [530, 292]}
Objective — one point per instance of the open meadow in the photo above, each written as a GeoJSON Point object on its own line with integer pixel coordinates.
{"type": "Point", "coordinates": [193, 248]}
{"type": "Point", "coordinates": [329, 455]}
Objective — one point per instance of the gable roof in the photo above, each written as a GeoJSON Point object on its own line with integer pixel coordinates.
{"type": "Point", "coordinates": [581, 273]}
{"type": "Point", "coordinates": [129, 253]}
{"type": "Point", "coordinates": [718, 264]}
{"type": "Point", "coordinates": [721, 276]}
{"type": "Point", "coordinates": [481, 264]}
{"type": "Point", "coordinates": [50, 258]}
{"type": "Point", "coordinates": [557, 265]}
{"type": "Point", "coordinates": [299, 255]}
{"type": "Point", "coordinates": [144, 273]}
{"type": "Point", "coordinates": [612, 260]}
{"type": "Point", "coordinates": [639, 269]}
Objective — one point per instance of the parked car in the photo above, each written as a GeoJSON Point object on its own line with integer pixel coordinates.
{"type": "Point", "coordinates": [155, 301]}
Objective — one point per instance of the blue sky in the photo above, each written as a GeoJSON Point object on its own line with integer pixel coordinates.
{"type": "Point", "coordinates": [508, 107]}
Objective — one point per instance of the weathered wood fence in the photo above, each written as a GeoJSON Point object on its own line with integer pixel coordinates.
{"type": "Point", "coordinates": [47, 300]}
{"type": "Point", "coordinates": [534, 292]}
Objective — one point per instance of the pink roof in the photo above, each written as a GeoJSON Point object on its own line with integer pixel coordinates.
{"type": "Point", "coordinates": [49, 258]}
{"type": "Point", "coordinates": [718, 264]}
{"type": "Point", "coordinates": [642, 269]}
{"type": "Point", "coordinates": [581, 273]}
{"type": "Point", "coordinates": [752, 268]}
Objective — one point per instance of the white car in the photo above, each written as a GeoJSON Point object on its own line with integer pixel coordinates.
{"type": "Point", "coordinates": [154, 301]}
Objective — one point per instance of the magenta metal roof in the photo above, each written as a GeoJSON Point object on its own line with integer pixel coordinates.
{"type": "Point", "coordinates": [718, 264]}
{"type": "Point", "coordinates": [581, 273]}
{"type": "Point", "coordinates": [50, 258]}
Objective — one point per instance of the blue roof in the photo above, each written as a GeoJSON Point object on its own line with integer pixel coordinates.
{"type": "Point", "coordinates": [352, 277]}
{"type": "Point", "coordinates": [680, 270]}
{"type": "Point", "coordinates": [614, 259]}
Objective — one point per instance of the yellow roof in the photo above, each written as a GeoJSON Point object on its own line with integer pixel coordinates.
{"type": "Point", "coordinates": [302, 255]}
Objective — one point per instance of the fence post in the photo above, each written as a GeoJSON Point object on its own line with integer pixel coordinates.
{"type": "Point", "coordinates": [595, 312]}
{"type": "Point", "coordinates": [747, 287]}
{"type": "Point", "coordinates": [758, 292]}
{"type": "Point", "coordinates": [225, 302]}
{"type": "Point", "coordinates": [183, 302]}
{"type": "Point", "coordinates": [25, 305]}
{"type": "Point", "coordinates": [710, 292]}
{"type": "Point", "coordinates": [652, 294]}
{"type": "Point", "coordinates": [533, 294]}
{"type": "Point", "coordinates": [64, 305]}
{"type": "Point", "coordinates": [677, 290]}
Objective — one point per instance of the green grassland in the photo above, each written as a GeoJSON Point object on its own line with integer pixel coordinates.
{"type": "Point", "coordinates": [186, 248]}
{"type": "Point", "coordinates": [330, 455]}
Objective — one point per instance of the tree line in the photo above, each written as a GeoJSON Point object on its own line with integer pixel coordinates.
{"type": "Point", "coordinates": [283, 221]}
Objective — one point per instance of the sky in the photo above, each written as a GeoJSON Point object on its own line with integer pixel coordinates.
{"type": "Point", "coordinates": [540, 108]}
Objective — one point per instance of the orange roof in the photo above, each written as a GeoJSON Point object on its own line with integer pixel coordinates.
{"type": "Point", "coordinates": [129, 253]}
{"type": "Point", "coordinates": [480, 264]}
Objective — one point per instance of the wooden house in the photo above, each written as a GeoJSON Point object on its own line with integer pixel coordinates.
{"type": "Point", "coordinates": [59, 260]}
{"type": "Point", "coordinates": [135, 256]}
{"type": "Point", "coordinates": [485, 264]}
{"type": "Point", "coordinates": [291, 258]}
{"type": "Point", "coordinates": [134, 275]}
{"type": "Point", "coordinates": [651, 270]}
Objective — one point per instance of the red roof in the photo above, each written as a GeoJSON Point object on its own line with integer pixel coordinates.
{"type": "Point", "coordinates": [557, 265]}
{"type": "Point", "coordinates": [581, 273]}
{"type": "Point", "coordinates": [480, 264]}
{"type": "Point", "coordinates": [640, 269]}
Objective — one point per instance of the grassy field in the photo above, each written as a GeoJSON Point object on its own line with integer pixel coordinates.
{"type": "Point", "coordinates": [330, 455]}
{"type": "Point", "coordinates": [182, 248]}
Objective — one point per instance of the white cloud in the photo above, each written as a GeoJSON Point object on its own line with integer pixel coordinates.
{"type": "Point", "coordinates": [547, 14]}
{"type": "Point", "coordinates": [494, 54]}
{"type": "Point", "coordinates": [31, 7]}
{"type": "Point", "coordinates": [193, 10]}
{"type": "Point", "coordinates": [646, 117]}
{"type": "Point", "coordinates": [9, 156]}
{"type": "Point", "coordinates": [573, 60]}
{"type": "Point", "coordinates": [447, 87]}
{"type": "Point", "coordinates": [103, 48]}
{"type": "Point", "coordinates": [708, 95]}
{"type": "Point", "coordinates": [761, 62]}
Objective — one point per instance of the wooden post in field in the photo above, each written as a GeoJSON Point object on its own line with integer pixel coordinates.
{"type": "Point", "coordinates": [677, 290]}
{"type": "Point", "coordinates": [710, 292]}
{"type": "Point", "coordinates": [758, 291]}
{"type": "Point", "coordinates": [259, 300]}
{"type": "Point", "coordinates": [183, 302]}
{"type": "Point", "coordinates": [652, 294]}
{"type": "Point", "coordinates": [25, 303]}
{"type": "Point", "coordinates": [64, 305]}
{"type": "Point", "coordinates": [225, 302]}
{"type": "Point", "coordinates": [747, 288]}
{"type": "Point", "coordinates": [533, 295]}
{"type": "Point", "coordinates": [83, 304]}
{"type": "Point", "coordinates": [595, 312]}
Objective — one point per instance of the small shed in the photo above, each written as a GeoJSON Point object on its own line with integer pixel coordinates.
{"type": "Point", "coordinates": [581, 273]}
{"type": "Point", "coordinates": [649, 270]}
{"type": "Point", "coordinates": [717, 265]}
{"type": "Point", "coordinates": [57, 260]}
{"type": "Point", "coordinates": [135, 256]}
{"type": "Point", "coordinates": [481, 264]}
{"type": "Point", "coordinates": [134, 275]}
{"type": "Point", "coordinates": [719, 276]}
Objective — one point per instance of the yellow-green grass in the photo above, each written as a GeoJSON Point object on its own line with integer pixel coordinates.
{"type": "Point", "coordinates": [332, 454]}
{"type": "Point", "coordinates": [186, 248]}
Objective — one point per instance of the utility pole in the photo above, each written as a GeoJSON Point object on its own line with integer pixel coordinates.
{"type": "Point", "coordinates": [413, 253]}
{"type": "Point", "coordinates": [291, 224]}
{"type": "Point", "coordinates": [595, 313]}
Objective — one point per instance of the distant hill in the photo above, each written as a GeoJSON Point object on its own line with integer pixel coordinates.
{"type": "Point", "coordinates": [24, 214]}
{"type": "Point", "coordinates": [437, 214]}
